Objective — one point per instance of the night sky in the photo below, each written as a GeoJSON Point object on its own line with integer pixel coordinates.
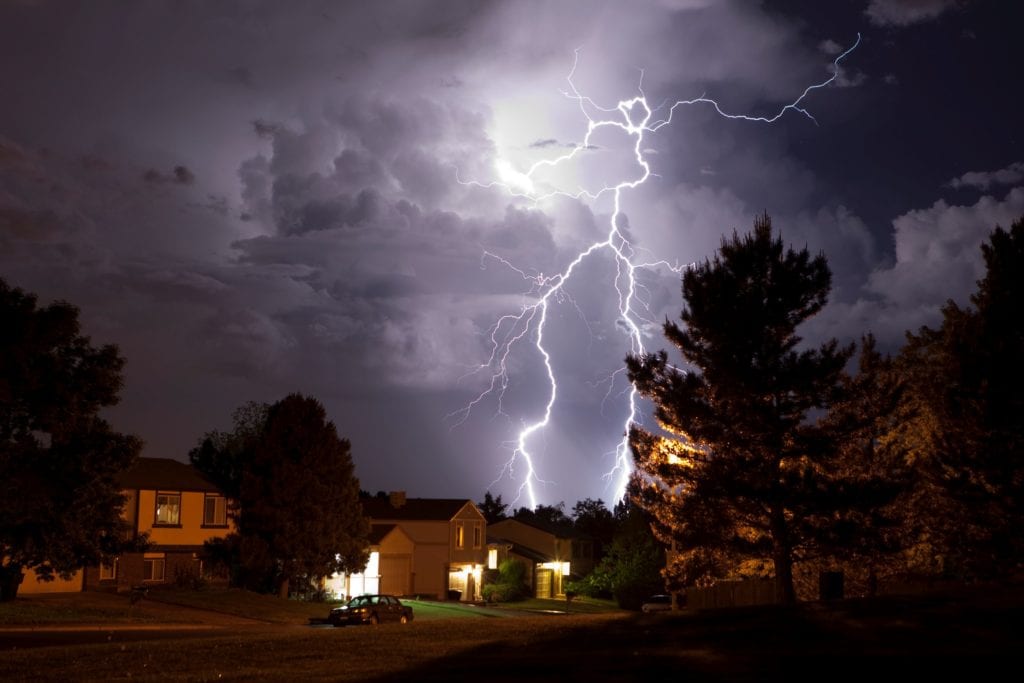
{"type": "Point", "coordinates": [257, 198]}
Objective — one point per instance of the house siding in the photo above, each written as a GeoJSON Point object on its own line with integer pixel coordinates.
{"type": "Point", "coordinates": [181, 545]}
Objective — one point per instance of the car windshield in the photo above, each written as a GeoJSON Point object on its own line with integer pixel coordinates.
{"type": "Point", "coordinates": [359, 601]}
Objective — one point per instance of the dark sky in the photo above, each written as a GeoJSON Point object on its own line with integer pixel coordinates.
{"type": "Point", "coordinates": [255, 198]}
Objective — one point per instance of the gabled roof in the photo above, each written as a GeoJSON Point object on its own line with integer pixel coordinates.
{"type": "Point", "coordinates": [418, 509]}
{"type": "Point", "coordinates": [556, 532]}
{"type": "Point", "coordinates": [164, 474]}
{"type": "Point", "coordinates": [378, 532]}
{"type": "Point", "coordinates": [521, 550]}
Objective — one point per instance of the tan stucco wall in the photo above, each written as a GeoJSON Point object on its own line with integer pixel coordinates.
{"type": "Point", "coordinates": [31, 585]}
{"type": "Point", "coordinates": [190, 531]}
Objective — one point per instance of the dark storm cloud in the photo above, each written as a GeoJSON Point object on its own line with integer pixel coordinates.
{"type": "Point", "coordinates": [180, 174]}
{"type": "Point", "coordinates": [303, 228]}
{"type": "Point", "coordinates": [906, 12]}
{"type": "Point", "coordinates": [983, 180]}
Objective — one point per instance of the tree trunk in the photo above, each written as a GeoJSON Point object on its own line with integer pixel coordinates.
{"type": "Point", "coordinates": [782, 556]}
{"type": "Point", "coordinates": [11, 576]}
{"type": "Point", "coordinates": [282, 588]}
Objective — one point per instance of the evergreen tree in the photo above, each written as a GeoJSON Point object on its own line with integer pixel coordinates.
{"type": "Point", "coordinates": [492, 508]}
{"type": "Point", "coordinates": [967, 387]}
{"type": "Point", "coordinates": [743, 467]}
{"type": "Point", "coordinates": [60, 503]}
{"type": "Point", "coordinates": [867, 523]}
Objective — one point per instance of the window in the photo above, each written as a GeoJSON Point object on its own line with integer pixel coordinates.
{"type": "Point", "coordinates": [215, 510]}
{"type": "Point", "coordinates": [492, 558]}
{"type": "Point", "coordinates": [108, 572]}
{"type": "Point", "coordinates": [460, 535]}
{"type": "Point", "coordinates": [477, 535]}
{"type": "Point", "coordinates": [168, 509]}
{"type": "Point", "coordinates": [153, 569]}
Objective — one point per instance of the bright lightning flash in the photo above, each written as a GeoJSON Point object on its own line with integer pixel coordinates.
{"type": "Point", "coordinates": [633, 117]}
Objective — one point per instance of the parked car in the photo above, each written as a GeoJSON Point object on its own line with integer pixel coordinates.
{"type": "Point", "coordinates": [371, 609]}
{"type": "Point", "coordinates": [656, 603]}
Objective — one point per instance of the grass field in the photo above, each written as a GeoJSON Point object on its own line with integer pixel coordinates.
{"type": "Point", "coordinates": [93, 607]}
{"type": "Point", "coordinates": [967, 634]}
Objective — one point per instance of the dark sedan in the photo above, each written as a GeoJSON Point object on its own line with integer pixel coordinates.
{"type": "Point", "coordinates": [371, 609]}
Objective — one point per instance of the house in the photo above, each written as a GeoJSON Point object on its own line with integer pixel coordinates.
{"type": "Point", "coordinates": [421, 546]}
{"type": "Point", "coordinates": [389, 569]}
{"type": "Point", "coordinates": [550, 555]}
{"type": "Point", "coordinates": [177, 507]}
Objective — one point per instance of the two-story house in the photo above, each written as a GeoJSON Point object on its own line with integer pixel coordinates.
{"type": "Point", "coordinates": [550, 556]}
{"type": "Point", "coordinates": [421, 546]}
{"type": "Point", "coordinates": [180, 510]}
{"type": "Point", "coordinates": [177, 507]}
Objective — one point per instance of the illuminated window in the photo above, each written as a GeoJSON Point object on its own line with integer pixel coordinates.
{"type": "Point", "coordinates": [478, 535]}
{"type": "Point", "coordinates": [168, 508]}
{"type": "Point", "coordinates": [153, 569]}
{"type": "Point", "coordinates": [108, 572]}
{"type": "Point", "coordinates": [460, 535]}
{"type": "Point", "coordinates": [215, 510]}
{"type": "Point", "coordinates": [492, 558]}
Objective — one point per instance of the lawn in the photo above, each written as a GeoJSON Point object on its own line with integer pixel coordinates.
{"type": "Point", "coordinates": [579, 605]}
{"type": "Point", "coordinates": [72, 608]}
{"type": "Point", "coordinates": [160, 605]}
{"type": "Point", "coordinates": [963, 635]}
{"type": "Point", "coordinates": [242, 603]}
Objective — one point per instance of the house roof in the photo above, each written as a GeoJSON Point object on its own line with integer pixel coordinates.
{"type": "Point", "coordinates": [521, 550]}
{"type": "Point", "coordinates": [555, 531]}
{"type": "Point", "coordinates": [419, 509]}
{"type": "Point", "coordinates": [164, 474]}
{"type": "Point", "coordinates": [378, 532]}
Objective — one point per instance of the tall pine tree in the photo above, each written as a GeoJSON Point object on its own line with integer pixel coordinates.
{"type": "Point", "coordinates": [742, 470]}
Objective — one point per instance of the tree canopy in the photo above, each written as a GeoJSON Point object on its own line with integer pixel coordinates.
{"type": "Point", "coordinates": [492, 508]}
{"type": "Point", "coordinates": [741, 469]}
{"type": "Point", "coordinates": [298, 513]}
{"type": "Point", "coordinates": [60, 503]}
{"type": "Point", "coordinates": [966, 394]}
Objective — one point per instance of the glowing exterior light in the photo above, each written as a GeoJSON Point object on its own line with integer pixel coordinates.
{"type": "Point", "coordinates": [634, 118]}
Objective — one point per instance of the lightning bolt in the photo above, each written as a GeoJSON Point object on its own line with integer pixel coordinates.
{"type": "Point", "coordinates": [632, 116]}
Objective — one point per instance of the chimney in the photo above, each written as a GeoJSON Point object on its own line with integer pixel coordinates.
{"type": "Point", "coordinates": [397, 498]}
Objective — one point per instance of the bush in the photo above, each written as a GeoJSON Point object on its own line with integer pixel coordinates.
{"type": "Point", "coordinates": [502, 592]}
{"type": "Point", "coordinates": [187, 576]}
{"type": "Point", "coordinates": [510, 585]}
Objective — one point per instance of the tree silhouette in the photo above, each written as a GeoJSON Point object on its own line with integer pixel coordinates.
{"type": "Point", "coordinates": [60, 503]}
{"type": "Point", "coordinates": [967, 387]}
{"type": "Point", "coordinates": [298, 513]}
{"type": "Point", "coordinates": [741, 467]}
{"type": "Point", "coordinates": [492, 508]}
{"type": "Point", "coordinates": [592, 518]}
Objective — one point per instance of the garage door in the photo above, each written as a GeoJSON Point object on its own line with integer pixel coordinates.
{"type": "Point", "coordinates": [543, 583]}
{"type": "Point", "coordinates": [395, 574]}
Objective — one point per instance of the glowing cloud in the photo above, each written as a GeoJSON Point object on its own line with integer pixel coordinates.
{"type": "Point", "coordinates": [632, 116]}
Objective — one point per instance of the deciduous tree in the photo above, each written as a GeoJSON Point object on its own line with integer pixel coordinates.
{"type": "Point", "coordinates": [298, 513]}
{"type": "Point", "coordinates": [60, 503]}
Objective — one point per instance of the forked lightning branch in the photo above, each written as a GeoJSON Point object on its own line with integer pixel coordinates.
{"type": "Point", "coordinates": [528, 325]}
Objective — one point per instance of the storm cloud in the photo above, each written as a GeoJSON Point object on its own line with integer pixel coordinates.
{"type": "Point", "coordinates": [252, 199]}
